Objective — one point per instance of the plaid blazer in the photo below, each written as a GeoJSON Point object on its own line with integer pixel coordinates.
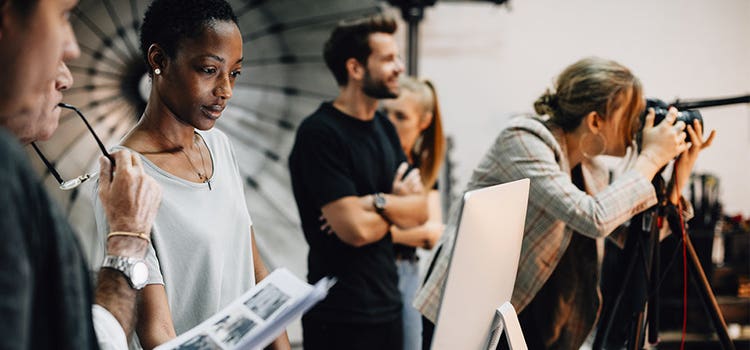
{"type": "Point", "coordinates": [528, 148]}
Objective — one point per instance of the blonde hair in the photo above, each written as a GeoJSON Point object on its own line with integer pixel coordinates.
{"type": "Point", "coordinates": [430, 146]}
{"type": "Point", "coordinates": [593, 85]}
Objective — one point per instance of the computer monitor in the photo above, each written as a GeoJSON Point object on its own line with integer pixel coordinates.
{"type": "Point", "coordinates": [483, 266]}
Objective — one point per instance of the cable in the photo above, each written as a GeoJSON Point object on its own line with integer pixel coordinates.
{"type": "Point", "coordinates": [684, 278]}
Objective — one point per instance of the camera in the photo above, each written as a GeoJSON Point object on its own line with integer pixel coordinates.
{"type": "Point", "coordinates": [661, 109]}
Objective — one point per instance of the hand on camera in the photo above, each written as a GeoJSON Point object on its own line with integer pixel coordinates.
{"type": "Point", "coordinates": [663, 142]}
{"type": "Point", "coordinates": [686, 161]}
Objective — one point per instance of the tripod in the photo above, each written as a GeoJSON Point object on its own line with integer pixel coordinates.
{"type": "Point", "coordinates": [645, 255]}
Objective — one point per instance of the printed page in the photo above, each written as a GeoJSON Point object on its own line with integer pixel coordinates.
{"type": "Point", "coordinates": [256, 318]}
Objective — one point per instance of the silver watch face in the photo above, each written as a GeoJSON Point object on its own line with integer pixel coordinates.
{"type": "Point", "coordinates": [139, 274]}
{"type": "Point", "coordinates": [379, 201]}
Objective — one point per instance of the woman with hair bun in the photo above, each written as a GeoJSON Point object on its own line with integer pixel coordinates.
{"type": "Point", "coordinates": [594, 109]}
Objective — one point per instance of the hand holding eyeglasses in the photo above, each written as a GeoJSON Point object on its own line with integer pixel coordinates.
{"type": "Point", "coordinates": [129, 196]}
{"type": "Point", "coordinates": [72, 183]}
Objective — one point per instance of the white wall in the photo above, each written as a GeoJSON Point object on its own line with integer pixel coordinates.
{"type": "Point", "coordinates": [489, 63]}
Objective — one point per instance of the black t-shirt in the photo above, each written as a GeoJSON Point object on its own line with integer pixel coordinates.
{"type": "Point", "coordinates": [45, 291]}
{"type": "Point", "coordinates": [336, 155]}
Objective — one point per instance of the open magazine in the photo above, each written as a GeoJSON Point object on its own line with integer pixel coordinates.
{"type": "Point", "coordinates": [257, 317]}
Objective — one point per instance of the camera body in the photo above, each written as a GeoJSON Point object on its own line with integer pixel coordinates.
{"type": "Point", "coordinates": [661, 109]}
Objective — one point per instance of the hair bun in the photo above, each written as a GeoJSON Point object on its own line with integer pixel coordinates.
{"type": "Point", "coordinates": [546, 104]}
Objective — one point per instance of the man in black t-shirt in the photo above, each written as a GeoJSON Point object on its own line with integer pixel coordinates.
{"type": "Point", "coordinates": [347, 181]}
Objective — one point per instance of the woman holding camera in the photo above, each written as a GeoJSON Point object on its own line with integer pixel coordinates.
{"type": "Point", "coordinates": [593, 110]}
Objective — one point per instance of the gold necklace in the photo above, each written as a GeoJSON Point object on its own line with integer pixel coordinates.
{"type": "Point", "coordinates": [202, 176]}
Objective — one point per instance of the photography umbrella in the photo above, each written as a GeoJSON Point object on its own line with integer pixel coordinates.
{"type": "Point", "coordinates": [284, 79]}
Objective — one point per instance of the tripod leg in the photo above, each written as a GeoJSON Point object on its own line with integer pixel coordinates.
{"type": "Point", "coordinates": [707, 296]}
{"type": "Point", "coordinates": [633, 245]}
{"type": "Point", "coordinates": [653, 301]}
{"type": "Point", "coordinates": [651, 273]}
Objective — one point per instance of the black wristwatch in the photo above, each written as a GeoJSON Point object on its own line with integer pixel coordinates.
{"type": "Point", "coordinates": [378, 201]}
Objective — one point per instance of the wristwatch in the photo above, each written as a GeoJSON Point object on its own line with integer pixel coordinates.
{"type": "Point", "coordinates": [378, 201]}
{"type": "Point", "coordinates": [134, 269]}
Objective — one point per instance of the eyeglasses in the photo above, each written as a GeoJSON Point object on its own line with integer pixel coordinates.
{"type": "Point", "coordinates": [75, 182]}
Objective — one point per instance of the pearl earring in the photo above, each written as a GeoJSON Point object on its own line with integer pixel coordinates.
{"type": "Point", "coordinates": [157, 71]}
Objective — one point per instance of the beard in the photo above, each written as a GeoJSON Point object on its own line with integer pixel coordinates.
{"type": "Point", "coordinates": [376, 88]}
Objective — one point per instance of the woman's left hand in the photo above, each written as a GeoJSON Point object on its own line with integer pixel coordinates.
{"type": "Point", "coordinates": [685, 162]}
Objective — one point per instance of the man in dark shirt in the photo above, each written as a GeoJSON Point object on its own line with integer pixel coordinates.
{"type": "Point", "coordinates": [45, 293]}
{"type": "Point", "coordinates": [349, 189]}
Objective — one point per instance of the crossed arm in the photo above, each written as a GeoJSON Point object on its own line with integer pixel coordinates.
{"type": "Point", "coordinates": [356, 222]}
{"type": "Point", "coordinates": [427, 234]}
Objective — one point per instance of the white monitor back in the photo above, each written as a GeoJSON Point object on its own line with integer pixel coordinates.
{"type": "Point", "coordinates": [483, 266]}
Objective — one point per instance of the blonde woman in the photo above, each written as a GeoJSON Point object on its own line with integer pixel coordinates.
{"type": "Point", "coordinates": [416, 116]}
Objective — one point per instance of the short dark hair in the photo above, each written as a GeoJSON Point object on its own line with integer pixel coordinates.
{"type": "Point", "coordinates": [166, 22]}
{"type": "Point", "coordinates": [352, 40]}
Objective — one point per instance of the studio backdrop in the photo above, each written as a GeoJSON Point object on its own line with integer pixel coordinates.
{"type": "Point", "coordinates": [283, 80]}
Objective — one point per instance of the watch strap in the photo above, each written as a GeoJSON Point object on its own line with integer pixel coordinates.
{"type": "Point", "coordinates": [124, 265]}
